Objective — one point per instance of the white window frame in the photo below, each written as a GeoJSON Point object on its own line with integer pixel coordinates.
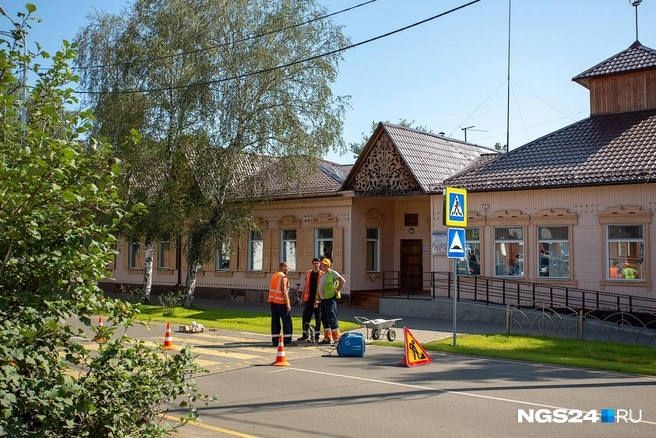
{"type": "Point", "coordinates": [463, 265]}
{"type": "Point", "coordinates": [285, 241]}
{"type": "Point", "coordinates": [222, 251]}
{"type": "Point", "coordinates": [133, 254]}
{"type": "Point", "coordinates": [373, 256]}
{"type": "Point", "coordinates": [320, 242]}
{"type": "Point", "coordinates": [254, 238]}
{"type": "Point", "coordinates": [552, 242]}
{"type": "Point", "coordinates": [509, 241]}
{"type": "Point", "coordinates": [624, 252]}
{"type": "Point", "coordinates": [160, 253]}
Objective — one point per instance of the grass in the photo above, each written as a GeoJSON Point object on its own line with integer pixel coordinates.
{"type": "Point", "coordinates": [224, 319]}
{"type": "Point", "coordinates": [608, 356]}
{"type": "Point", "coordinates": [636, 359]}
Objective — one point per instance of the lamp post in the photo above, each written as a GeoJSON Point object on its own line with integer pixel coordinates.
{"type": "Point", "coordinates": [18, 29]}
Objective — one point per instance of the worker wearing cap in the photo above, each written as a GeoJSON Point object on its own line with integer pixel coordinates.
{"type": "Point", "coordinates": [328, 290]}
{"type": "Point", "coordinates": [628, 271]}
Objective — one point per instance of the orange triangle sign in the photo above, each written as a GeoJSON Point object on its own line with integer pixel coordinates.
{"type": "Point", "coordinates": [414, 352]}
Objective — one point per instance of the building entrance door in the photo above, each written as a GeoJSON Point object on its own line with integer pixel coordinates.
{"type": "Point", "coordinates": [411, 266]}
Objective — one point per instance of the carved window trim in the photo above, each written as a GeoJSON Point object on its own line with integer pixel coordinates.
{"type": "Point", "coordinates": [627, 215]}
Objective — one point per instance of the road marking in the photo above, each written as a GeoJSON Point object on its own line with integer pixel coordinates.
{"type": "Point", "coordinates": [443, 391]}
{"type": "Point", "coordinates": [208, 427]}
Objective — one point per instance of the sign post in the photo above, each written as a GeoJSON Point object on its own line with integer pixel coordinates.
{"type": "Point", "coordinates": [455, 214]}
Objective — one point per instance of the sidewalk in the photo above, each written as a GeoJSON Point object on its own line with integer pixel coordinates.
{"type": "Point", "coordinates": [423, 329]}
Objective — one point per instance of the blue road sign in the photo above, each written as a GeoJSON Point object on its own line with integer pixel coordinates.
{"type": "Point", "coordinates": [455, 207]}
{"type": "Point", "coordinates": [456, 243]}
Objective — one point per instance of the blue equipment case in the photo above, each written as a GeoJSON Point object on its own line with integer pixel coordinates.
{"type": "Point", "coordinates": [351, 344]}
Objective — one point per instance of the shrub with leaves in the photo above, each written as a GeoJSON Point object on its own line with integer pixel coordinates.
{"type": "Point", "coordinates": [59, 209]}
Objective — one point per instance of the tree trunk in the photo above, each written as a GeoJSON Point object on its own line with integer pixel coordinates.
{"type": "Point", "coordinates": [148, 273]}
{"type": "Point", "coordinates": [190, 283]}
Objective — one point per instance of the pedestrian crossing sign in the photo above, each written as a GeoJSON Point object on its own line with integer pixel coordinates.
{"type": "Point", "coordinates": [455, 207]}
{"type": "Point", "coordinates": [455, 243]}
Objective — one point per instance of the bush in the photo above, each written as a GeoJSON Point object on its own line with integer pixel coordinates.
{"type": "Point", "coordinates": [59, 213]}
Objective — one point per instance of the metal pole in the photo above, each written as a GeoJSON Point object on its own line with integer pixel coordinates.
{"type": "Point", "coordinates": [455, 299]}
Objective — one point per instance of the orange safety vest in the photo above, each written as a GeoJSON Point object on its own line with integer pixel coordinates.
{"type": "Point", "coordinates": [277, 288]}
{"type": "Point", "coordinates": [306, 291]}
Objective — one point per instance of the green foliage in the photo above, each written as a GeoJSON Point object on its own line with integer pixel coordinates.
{"type": "Point", "coordinates": [59, 212]}
{"type": "Point", "coordinates": [213, 98]}
{"type": "Point", "coordinates": [586, 354]}
{"type": "Point", "coordinates": [228, 319]}
{"type": "Point", "coordinates": [171, 300]}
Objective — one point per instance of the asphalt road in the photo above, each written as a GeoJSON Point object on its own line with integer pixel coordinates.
{"type": "Point", "coordinates": [323, 395]}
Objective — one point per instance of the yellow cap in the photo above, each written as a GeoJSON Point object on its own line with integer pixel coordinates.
{"type": "Point", "coordinates": [326, 262]}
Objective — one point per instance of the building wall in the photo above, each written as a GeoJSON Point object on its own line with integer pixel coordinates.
{"type": "Point", "coordinates": [388, 215]}
{"type": "Point", "coordinates": [587, 209]}
{"type": "Point", "coordinates": [626, 92]}
{"type": "Point", "coordinates": [304, 215]}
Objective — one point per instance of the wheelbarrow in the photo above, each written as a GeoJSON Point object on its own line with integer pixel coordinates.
{"type": "Point", "coordinates": [379, 327]}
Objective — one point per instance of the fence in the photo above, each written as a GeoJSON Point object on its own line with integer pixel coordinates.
{"type": "Point", "coordinates": [511, 292]}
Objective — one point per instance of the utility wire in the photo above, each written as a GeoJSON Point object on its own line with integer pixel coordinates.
{"type": "Point", "coordinates": [266, 70]}
{"type": "Point", "coordinates": [252, 37]}
{"type": "Point", "coordinates": [472, 113]}
{"type": "Point", "coordinates": [536, 125]}
{"type": "Point", "coordinates": [539, 98]}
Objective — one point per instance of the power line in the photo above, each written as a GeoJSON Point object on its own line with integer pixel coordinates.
{"type": "Point", "coordinates": [266, 70]}
{"type": "Point", "coordinates": [293, 26]}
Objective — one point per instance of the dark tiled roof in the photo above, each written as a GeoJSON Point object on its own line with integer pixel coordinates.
{"type": "Point", "coordinates": [257, 175]}
{"type": "Point", "coordinates": [430, 157]}
{"type": "Point", "coordinates": [636, 57]}
{"type": "Point", "coordinates": [600, 150]}
{"type": "Point", "coordinates": [325, 179]}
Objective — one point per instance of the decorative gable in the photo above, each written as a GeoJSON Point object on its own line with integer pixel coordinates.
{"type": "Point", "coordinates": [383, 172]}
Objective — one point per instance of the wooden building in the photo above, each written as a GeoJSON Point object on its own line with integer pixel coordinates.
{"type": "Point", "coordinates": [571, 208]}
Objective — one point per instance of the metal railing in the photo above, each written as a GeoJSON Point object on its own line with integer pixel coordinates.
{"type": "Point", "coordinates": [515, 293]}
{"type": "Point", "coordinates": [606, 326]}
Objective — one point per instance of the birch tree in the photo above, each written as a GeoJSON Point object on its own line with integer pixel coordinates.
{"type": "Point", "coordinates": [59, 211]}
{"type": "Point", "coordinates": [214, 82]}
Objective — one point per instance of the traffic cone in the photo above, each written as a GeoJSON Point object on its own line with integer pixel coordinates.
{"type": "Point", "coordinates": [281, 361]}
{"type": "Point", "coordinates": [168, 339]}
{"type": "Point", "coordinates": [403, 362]}
{"type": "Point", "coordinates": [98, 337]}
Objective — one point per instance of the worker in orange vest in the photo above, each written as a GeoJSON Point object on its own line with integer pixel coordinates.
{"type": "Point", "coordinates": [310, 303]}
{"type": "Point", "coordinates": [280, 306]}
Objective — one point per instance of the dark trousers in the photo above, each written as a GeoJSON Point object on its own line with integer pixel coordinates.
{"type": "Point", "coordinates": [308, 311]}
{"type": "Point", "coordinates": [329, 314]}
{"type": "Point", "coordinates": [279, 313]}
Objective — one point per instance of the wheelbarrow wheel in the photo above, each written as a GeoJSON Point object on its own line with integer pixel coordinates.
{"type": "Point", "coordinates": [391, 335]}
{"type": "Point", "coordinates": [375, 334]}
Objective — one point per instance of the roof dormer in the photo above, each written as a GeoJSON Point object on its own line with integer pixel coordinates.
{"type": "Point", "coordinates": [622, 83]}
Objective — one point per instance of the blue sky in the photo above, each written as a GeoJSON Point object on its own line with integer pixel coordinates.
{"type": "Point", "coordinates": [451, 72]}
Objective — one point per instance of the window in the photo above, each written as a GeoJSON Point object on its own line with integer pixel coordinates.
{"type": "Point", "coordinates": [164, 255]}
{"type": "Point", "coordinates": [553, 252]}
{"type": "Point", "coordinates": [471, 264]}
{"type": "Point", "coordinates": [133, 256]}
{"type": "Point", "coordinates": [255, 250]}
{"type": "Point", "coordinates": [508, 251]}
{"type": "Point", "coordinates": [626, 252]}
{"type": "Point", "coordinates": [288, 248]}
{"type": "Point", "coordinates": [223, 257]}
{"type": "Point", "coordinates": [324, 243]}
{"type": "Point", "coordinates": [373, 245]}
